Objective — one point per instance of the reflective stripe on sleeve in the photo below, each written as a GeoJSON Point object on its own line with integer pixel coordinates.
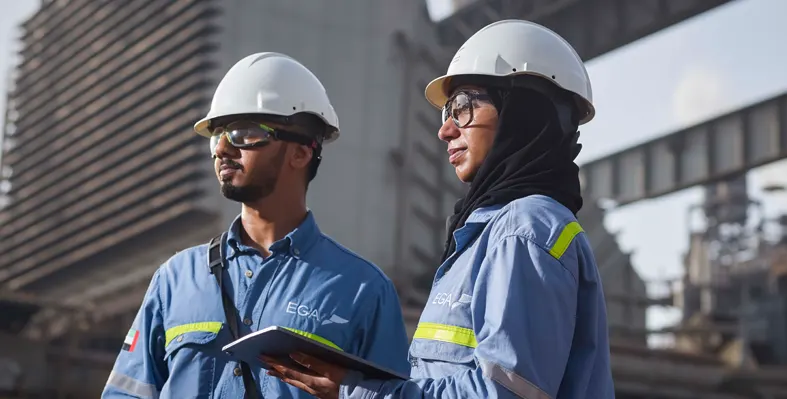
{"type": "Point", "coordinates": [132, 386]}
{"type": "Point", "coordinates": [564, 239]}
{"type": "Point", "coordinates": [315, 337]}
{"type": "Point", "coordinates": [512, 381]}
{"type": "Point", "coordinates": [445, 333]}
{"type": "Point", "coordinates": [208, 327]}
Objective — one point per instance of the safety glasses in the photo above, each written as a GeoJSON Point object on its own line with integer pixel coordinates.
{"type": "Point", "coordinates": [459, 107]}
{"type": "Point", "coordinates": [249, 134]}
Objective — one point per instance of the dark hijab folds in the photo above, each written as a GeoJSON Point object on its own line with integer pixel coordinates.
{"type": "Point", "coordinates": [533, 153]}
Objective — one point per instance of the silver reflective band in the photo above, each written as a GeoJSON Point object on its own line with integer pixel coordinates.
{"type": "Point", "coordinates": [132, 386]}
{"type": "Point", "coordinates": [512, 381]}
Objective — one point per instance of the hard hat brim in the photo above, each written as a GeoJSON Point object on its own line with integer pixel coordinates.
{"type": "Point", "coordinates": [435, 92]}
{"type": "Point", "coordinates": [201, 127]}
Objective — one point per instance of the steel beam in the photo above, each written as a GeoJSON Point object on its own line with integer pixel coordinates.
{"type": "Point", "coordinates": [670, 374]}
{"type": "Point", "coordinates": [705, 153]}
{"type": "Point", "coordinates": [593, 27]}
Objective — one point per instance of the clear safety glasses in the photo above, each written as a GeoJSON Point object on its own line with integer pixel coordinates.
{"type": "Point", "coordinates": [459, 107]}
{"type": "Point", "coordinates": [249, 134]}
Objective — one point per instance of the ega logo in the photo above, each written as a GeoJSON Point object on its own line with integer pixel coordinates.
{"type": "Point", "coordinates": [312, 313]}
{"type": "Point", "coordinates": [446, 299]}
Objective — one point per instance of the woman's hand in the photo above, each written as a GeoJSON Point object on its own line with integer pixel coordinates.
{"type": "Point", "coordinates": [322, 380]}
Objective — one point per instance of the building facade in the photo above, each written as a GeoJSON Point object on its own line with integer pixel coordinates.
{"type": "Point", "coordinates": [107, 179]}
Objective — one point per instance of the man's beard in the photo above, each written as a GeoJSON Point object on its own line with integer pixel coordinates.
{"type": "Point", "coordinates": [262, 188]}
{"type": "Point", "coordinates": [248, 194]}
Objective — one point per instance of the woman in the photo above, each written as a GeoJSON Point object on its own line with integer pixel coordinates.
{"type": "Point", "coordinates": [517, 308]}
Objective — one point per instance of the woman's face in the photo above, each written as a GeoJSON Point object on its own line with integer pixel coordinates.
{"type": "Point", "coordinates": [469, 125]}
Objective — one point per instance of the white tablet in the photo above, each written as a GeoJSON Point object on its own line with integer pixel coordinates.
{"type": "Point", "coordinates": [279, 343]}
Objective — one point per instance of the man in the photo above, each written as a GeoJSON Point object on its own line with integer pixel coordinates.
{"type": "Point", "coordinates": [267, 123]}
{"type": "Point", "coordinates": [517, 308]}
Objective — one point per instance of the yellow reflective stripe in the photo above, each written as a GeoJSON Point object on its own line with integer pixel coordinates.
{"type": "Point", "coordinates": [315, 337]}
{"type": "Point", "coordinates": [207, 326]}
{"type": "Point", "coordinates": [564, 240]}
{"type": "Point", "coordinates": [443, 332]}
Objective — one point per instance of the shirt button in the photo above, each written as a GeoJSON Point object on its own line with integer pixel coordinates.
{"type": "Point", "coordinates": [237, 371]}
{"type": "Point", "coordinates": [249, 273]}
{"type": "Point", "coordinates": [247, 321]}
{"type": "Point", "coordinates": [296, 251]}
{"type": "Point", "coordinates": [180, 338]}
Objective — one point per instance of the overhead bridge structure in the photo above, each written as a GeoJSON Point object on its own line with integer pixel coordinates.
{"type": "Point", "coordinates": [708, 152]}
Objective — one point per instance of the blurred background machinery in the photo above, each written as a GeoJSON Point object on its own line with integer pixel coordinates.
{"type": "Point", "coordinates": [103, 180]}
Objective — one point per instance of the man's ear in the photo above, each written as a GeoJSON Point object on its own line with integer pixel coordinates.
{"type": "Point", "coordinates": [301, 157]}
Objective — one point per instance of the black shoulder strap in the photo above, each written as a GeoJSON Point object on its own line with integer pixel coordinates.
{"type": "Point", "coordinates": [216, 263]}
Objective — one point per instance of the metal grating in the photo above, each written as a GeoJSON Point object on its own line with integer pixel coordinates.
{"type": "Point", "coordinates": [99, 149]}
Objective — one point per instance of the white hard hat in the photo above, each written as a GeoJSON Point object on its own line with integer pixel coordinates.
{"type": "Point", "coordinates": [270, 83]}
{"type": "Point", "coordinates": [514, 47]}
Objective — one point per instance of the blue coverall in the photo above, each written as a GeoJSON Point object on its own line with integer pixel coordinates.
{"type": "Point", "coordinates": [309, 283]}
{"type": "Point", "coordinates": [517, 311]}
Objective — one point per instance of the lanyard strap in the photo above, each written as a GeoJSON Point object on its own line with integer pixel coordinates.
{"type": "Point", "coordinates": [217, 264]}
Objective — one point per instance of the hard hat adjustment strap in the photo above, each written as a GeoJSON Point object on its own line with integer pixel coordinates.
{"type": "Point", "coordinates": [295, 138]}
{"type": "Point", "coordinates": [289, 136]}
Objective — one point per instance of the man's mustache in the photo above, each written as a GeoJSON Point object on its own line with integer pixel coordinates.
{"type": "Point", "coordinates": [231, 164]}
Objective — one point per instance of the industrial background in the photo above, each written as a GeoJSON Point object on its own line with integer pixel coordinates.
{"type": "Point", "coordinates": [102, 179]}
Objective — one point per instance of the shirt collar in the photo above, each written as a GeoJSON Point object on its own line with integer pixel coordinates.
{"type": "Point", "coordinates": [474, 224]}
{"type": "Point", "coordinates": [296, 242]}
{"type": "Point", "coordinates": [483, 215]}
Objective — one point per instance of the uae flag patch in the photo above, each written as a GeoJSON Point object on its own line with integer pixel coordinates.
{"type": "Point", "coordinates": [131, 340]}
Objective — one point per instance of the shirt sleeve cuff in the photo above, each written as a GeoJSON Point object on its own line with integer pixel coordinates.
{"type": "Point", "coordinates": [354, 386]}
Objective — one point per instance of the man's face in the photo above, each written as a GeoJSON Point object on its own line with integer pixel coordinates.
{"type": "Point", "coordinates": [469, 145]}
{"type": "Point", "coordinates": [251, 174]}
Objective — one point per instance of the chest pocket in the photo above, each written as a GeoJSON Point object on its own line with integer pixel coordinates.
{"type": "Point", "coordinates": [191, 352]}
{"type": "Point", "coordinates": [445, 331]}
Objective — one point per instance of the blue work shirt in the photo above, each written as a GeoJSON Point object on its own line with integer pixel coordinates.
{"type": "Point", "coordinates": [516, 312]}
{"type": "Point", "coordinates": [309, 283]}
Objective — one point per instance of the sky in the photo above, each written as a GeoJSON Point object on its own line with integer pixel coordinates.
{"type": "Point", "coordinates": [712, 64]}
{"type": "Point", "coordinates": [14, 12]}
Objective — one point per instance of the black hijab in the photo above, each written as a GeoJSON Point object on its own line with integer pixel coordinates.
{"type": "Point", "coordinates": [533, 153]}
